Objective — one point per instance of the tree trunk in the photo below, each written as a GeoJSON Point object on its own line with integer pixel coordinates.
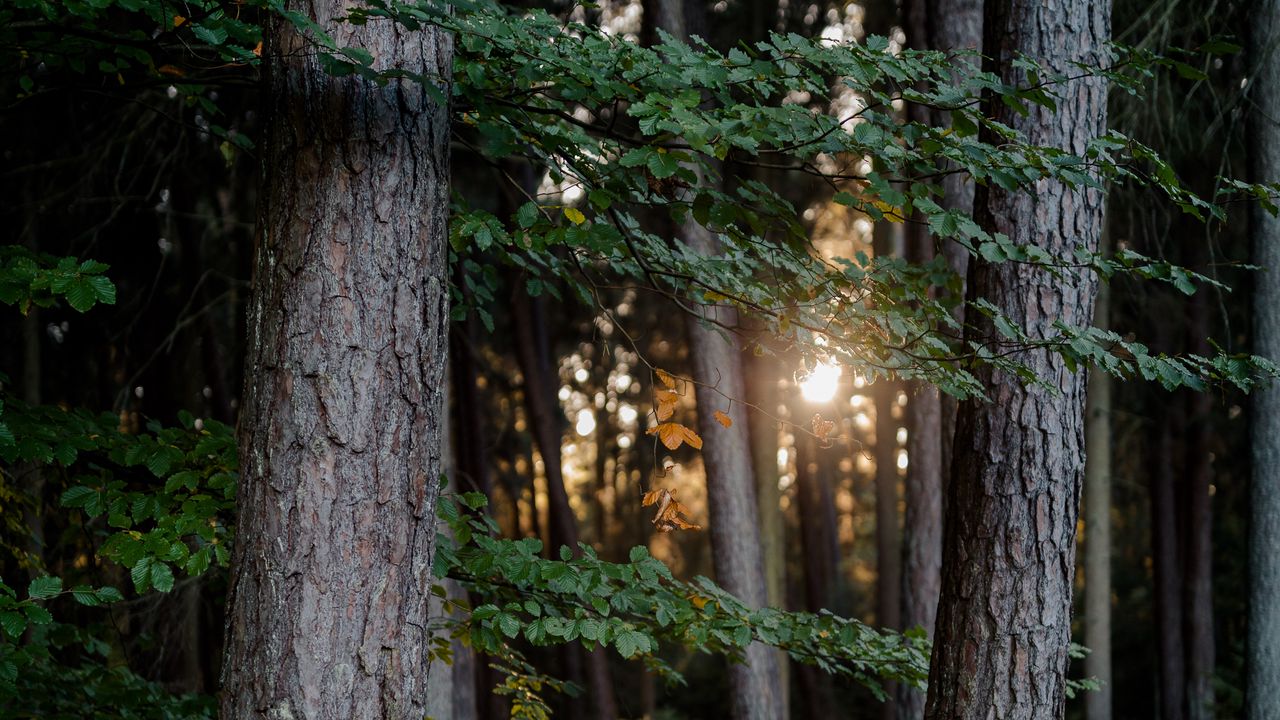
{"type": "Point", "coordinates": [731, 491]}
{"type": "Point", "coordinates": [1262, 700]}
{"type": "Point", "coordinates": [763, 374]}
{"type": "Point", "coordinates": [821, 562]}
{"type": "Point", "coordinates": [1004, 618]}
{"type": "Point", "coordinates": [340, 428]}
{"type": "Point", "coordinates": [533, 348]}
{"type": "Point", "coordinates": [1167, 555]}
{"type": "Point", "coordinates": [1198, 579]}
{"type": "Point", "coordinates": [1097, 528]}
{"type": "Point", "coordinates": [944, 25]}
{"type": "Point", "coordinates": [888, 552]}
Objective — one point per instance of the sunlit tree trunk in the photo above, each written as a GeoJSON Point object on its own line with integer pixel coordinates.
{"type": "Point", "coordinates": [762, 392]}
{"type": "Point", "coordinates": [342, 415]}
{"type": "Point", "coordinates": [1004, 618]}
{"type": "Point", "coordinates": [1263, 659]}
{"type": "Point", "coordinates": [820, 550]}
{"type": "Point", "coordinates": [1097, 532]}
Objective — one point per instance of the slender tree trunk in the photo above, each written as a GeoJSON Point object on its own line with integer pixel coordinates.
{"type": "Point", "coordinates": [340, 428]}
{"type": "Point", "coordinates": [1263, 660]}
{"type": "Point", "coordinates": [763, 374]}
{"type": "Point", "coordinates": [922, 529]}
{"type": "Point", "coordinates": [888, 551]}
{"type": "Point", "coordinates": [821, 564]}
{"type": "Point", "coordinates": [1097, 528]}
{"type": "Point", "coordinates": [1004, 618]}
{"type": "Point", "coordinates": [534, 351]}
{"type": "Point", "coordinates": [731, 490]}
{"type": "Point", "coordinates": [953, 25]}
{"type": "Point", "coordinates": [945, 25]}
{"type": "Point", "coordinates": [451, 692]}
{"type": "Point", "coordinates": [1198, 579]}
{"type": "Point", "coordinates": [1167, 569]}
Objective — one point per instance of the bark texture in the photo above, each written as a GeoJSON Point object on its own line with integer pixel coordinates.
{"type": "Point", "coordinates": [340, 429]}
{"type": "Point", "coordinates": [1004, 617]}
{"type": "Point", "coordinates": [1263, 685]}
{"type": "Point", "coordinates": [1097, 529]}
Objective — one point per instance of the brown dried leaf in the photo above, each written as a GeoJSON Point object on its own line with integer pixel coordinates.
{"type": "Point", "coordinates": [723, 419]}
{"type": "Point", "coordinates": [670, 511]}
{"type": "Point", "coordinates": [666, 404]}
{"type": "Point", "coordinates": [665, 378]}
{"type": "Point", "coordinates": [674, 434]}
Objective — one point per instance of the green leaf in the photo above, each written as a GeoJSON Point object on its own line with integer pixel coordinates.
{"type": "Point", "coordinates": [37, 615]}
{"type": "Point", "coordinates": [43, 588]}
{"type": "Point", "coordinates": [14, 623]}
{"type": "Point", "coordinates": [161, 577]}
{"type": "Point", "coordinates": [78, 496]}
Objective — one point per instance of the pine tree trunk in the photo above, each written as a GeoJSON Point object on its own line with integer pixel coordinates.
{"type": "Point", "coordinates": [1263, 660]}
{"type": "Point", "coordinates": [340, 428]}
{"type": "Point", "coordinates": [1004, 618]}
{"type": "Point", "coordinates": [1097, 529]}
{"type": "Point", "coordinates": [821, 563]}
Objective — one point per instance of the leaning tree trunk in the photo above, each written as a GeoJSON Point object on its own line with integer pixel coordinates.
{"type": "Point", "coordinates": [1004, 618]}
{"type": "Point", "coordinates": [1263, 688]}
{"type": "Point", "coordinates": [340, 428]}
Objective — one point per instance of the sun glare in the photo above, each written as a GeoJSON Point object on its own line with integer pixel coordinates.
{"type": "Point", "coordinates": [821, 384]}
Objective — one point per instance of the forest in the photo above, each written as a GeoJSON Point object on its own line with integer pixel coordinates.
{"type": "Point", "coordinates": [662, 359]}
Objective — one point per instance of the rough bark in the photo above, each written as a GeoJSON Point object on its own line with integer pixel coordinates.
{"type": "Point", "coordinates": [1262, 701]}
{"type": "Point", "coordinates": [340, 427]}
{"type": "Point", "coordinates": [1097, 529]}
{"type": "Point", "coordinates": [1003, 625]}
